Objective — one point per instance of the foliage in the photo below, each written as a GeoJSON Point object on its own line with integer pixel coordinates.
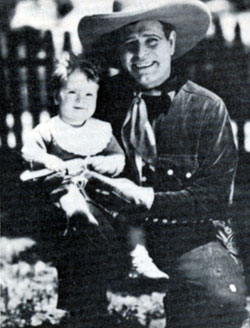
{"type": "Point", "coordinates": [28, 291]}
{"type": "Point", "coordinates": [140, 309]}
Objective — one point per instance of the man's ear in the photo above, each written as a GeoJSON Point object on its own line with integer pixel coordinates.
{"type": "Point", "coordinates": [172, 41]}
{"type": "Point", "coordinates": [56, 98]}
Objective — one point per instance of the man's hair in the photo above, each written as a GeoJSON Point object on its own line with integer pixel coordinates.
{"type": "Point", "coordinates": [168, 28]}
{"type": "Point", "coordinates": [67, 64]}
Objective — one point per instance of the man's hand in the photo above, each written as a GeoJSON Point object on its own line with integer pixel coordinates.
{"type": "Point", "coordinates": [120, 195]}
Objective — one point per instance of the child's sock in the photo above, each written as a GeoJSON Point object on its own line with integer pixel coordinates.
{"type": "Point", "coordinates": [143, 265]}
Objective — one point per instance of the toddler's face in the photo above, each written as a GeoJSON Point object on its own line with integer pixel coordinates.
{"type": "Point", "coordinates": [77, 99]}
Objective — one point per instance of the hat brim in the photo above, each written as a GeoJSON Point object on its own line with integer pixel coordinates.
{"type": "Point", "coordinates": [190, 18]}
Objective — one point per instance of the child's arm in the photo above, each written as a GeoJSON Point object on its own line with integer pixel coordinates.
{"type": "Point", "coordinates": [35, 150]}
{"type": "Point", "coordinates": [111, 161]}
{"type": "Point", "coordinates": [73, 166]}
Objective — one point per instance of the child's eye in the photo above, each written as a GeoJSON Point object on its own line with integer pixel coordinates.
{"type": "Point", "coordinates": [89, 94]}
{"type": "Point", "coordinates": [71, 92]}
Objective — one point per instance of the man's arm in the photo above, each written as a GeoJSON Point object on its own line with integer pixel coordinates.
{"type": "Point", "coordinates": [208, 192]}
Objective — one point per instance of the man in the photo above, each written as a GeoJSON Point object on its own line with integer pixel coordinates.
{"type": "Point", "coordinates": [181, 155]}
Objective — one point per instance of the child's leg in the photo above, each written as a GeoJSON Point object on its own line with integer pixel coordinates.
{"type": "Point", "coordinates": [73, 202]}
{"type": "Point", "coordinates": [142, 263]}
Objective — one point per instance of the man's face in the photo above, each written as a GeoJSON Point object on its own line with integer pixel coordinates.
{"type": "Point", "coordinates": [77, 99]}
{"type": "Point", "coordinates": [145, 52]}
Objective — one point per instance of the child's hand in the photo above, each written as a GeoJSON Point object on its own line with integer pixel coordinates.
{"type": "Point", "coordinates": [75, 166]}
{"type": "Point", "coordinates": [54, 163]}
{"type": "Point", "coordinates": [111, 165]}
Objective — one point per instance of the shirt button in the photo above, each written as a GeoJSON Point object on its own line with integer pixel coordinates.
{"type": "Point", "coordinates": [143, 164]}
{"type": "Point", "coordinates": [228, 230]}
{"type": "Point", "coordinates": [233, 288]}
{"type": "Point", "coordinates": [144, 179]}
{"type": "Point", "coordinates": [155, 220]}
{"type": "Point", "coordinates": [170, 172]}
{"type": "Point", "coordinates": [188, 175]}
{"type": "Point", "coordinates": [164, 221]}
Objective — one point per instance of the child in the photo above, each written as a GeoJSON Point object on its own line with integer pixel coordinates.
{"type": "Point", "coordinates": [74, 140]}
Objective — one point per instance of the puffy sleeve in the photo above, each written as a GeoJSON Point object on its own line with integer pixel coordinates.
{"type": "Point", "coordinates": [113, 147]}
{"type": "Point", "coordinates": [114, 156]}
{"type": "Point", "coordinates": [36, 144]}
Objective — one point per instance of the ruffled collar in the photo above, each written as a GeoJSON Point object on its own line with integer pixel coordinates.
{"type": "Point", "coordinates": [87, 140]}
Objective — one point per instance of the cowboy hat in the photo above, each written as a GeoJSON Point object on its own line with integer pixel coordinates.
{"type": "Point", "coordinates": [190, 19]}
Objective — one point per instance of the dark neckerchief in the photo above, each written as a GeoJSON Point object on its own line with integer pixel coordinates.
{"type": "Point", "coordinates": [157, 105]}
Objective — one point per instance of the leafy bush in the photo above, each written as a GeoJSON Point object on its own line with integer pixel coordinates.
{"type": "Point", "coordinates": [28, 291]}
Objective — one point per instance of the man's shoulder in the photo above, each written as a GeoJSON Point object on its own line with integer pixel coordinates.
{"type": "Point", "coordinates": [203, 101]}
{"type": "Point", "coordinates": [200, 92]}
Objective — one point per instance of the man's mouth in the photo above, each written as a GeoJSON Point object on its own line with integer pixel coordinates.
{"type": "Point", "coordinates": [143, 65]}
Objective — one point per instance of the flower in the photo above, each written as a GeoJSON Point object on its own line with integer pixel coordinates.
{"type": "Point", "coordinates": [62, 65]}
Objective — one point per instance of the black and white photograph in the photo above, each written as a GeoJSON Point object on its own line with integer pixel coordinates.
{"type": "Point", "coordinates": [125, 163]}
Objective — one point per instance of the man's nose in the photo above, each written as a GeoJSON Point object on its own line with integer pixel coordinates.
{"type": "Point", "coordinates": [141, 50]}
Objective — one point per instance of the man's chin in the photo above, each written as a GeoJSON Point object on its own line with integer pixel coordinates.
{"type": "Point", "coordinates": [147, 83]}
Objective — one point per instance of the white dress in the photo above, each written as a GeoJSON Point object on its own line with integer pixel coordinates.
{"type": "Point", "coordinates": [65, 141]}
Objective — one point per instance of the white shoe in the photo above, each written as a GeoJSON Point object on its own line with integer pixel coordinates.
{"type": "Point", "coordinates": [144, 267]}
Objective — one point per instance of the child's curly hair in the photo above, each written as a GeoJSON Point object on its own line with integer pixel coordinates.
{"type": "Point", "coordinates": [67, 64]}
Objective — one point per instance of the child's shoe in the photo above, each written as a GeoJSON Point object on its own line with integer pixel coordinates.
{"type": "Point", "coordinates": [143, 265]}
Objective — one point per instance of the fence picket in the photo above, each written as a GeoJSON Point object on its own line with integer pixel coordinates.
{"type": "Point", "coordinates": [14, 101]}
{"type": "Point", "coordinates": [3, 98]}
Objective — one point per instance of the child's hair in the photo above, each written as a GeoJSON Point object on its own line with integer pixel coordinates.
{"type": "Point", "coordinates": [67, 64]}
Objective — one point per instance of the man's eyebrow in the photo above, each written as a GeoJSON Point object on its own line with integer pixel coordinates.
{"type": "Point", "coordinates": [146, 34]}
{"type": "Point", "coordinates": [152, 34]}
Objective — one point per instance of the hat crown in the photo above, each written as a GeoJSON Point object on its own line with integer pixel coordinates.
{"type": "Point", "coordinates": [135, 5]}
{"type": "Point", "coordinates": [121, 5]}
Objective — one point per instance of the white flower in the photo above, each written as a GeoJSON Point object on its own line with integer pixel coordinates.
{"type": "Point", "coordinates": [40, 267]}
{"type": "Point", "coordinates": [62, 65]}
{"type": "Point", "coordinates": [24, 269]}
{"type": "Point", "coordinates": [13, 247]}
